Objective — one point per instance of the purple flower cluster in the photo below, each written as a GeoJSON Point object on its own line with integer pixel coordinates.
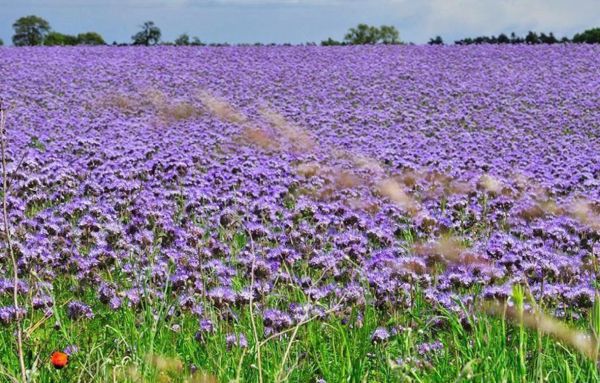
{"type": "Point", "coordinates": [429, 348]}
{"type": "Point", "coordinates": [78, 310]}
{"type": "Point", "coordinates": [309, 171]}
{"type": "Point", "coordinates": [236, 340]}
{"type": "Point", "coordinates": [8, 314]}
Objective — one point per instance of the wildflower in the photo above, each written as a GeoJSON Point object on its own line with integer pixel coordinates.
{"type": "Point", "coordinates": [275, 321]}
{"type": "Point", "coordinates": [222, 296]}
{"type": "Point", "coordinates": [8, 314]}
{"type": "Point", "coordinates": [206, 327]}
{"type": "Point", "coordinates": [78, 310]}
{"type": "Point", "coordinates": [380, 335]}
{"type": "Point", "coordinates": [71, 349]}
{"type": "Point", "coordinates": [234, 340]}
{"type": "Point", "coordinates": [59, 359]}
{"type": "Point", "coordinates": [428, 348]}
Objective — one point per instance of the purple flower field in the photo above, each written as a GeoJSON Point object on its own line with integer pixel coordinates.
{"type": "Point", "coordinates": [110, 172]}
{"type": "Point", "coordinates": [350, 176]}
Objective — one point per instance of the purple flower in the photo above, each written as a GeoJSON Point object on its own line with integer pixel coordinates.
{"type": "Point", "coordinates": [207, 327]}
{"type": "Point", "coordinates": [236, 340]}
{"type": "Point", "coordinates": [78, 310]}
{"type": "Point", "coordinates": [8, 314]}
{"type": "Point", "coordinates": [173, 196]}
{"type": "Point", "coordinates": [222, 296]}
{"type": "Point", "coordinates": [42, 302]}
{"type": "Point", "coordinates": [428, 348]}
{"type": "Point", "coordinates": [71, 349]}
{"type": "Point", "coordinates": [275, 321]}
{"type": "Point", "coordinates": [380, 335]}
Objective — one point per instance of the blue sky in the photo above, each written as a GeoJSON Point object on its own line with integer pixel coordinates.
{"type": "Point", "coordinates": [297, 21]}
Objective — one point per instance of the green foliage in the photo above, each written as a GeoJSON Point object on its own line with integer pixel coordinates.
{"type": "Point", "coordinates": [503, 39]}
{"type": "Point", "coordinates": [117, 344]}
{"type": "Point", "coordinates": [87, 38]}
{"type": "Point", "coordinates": [365, 34]}
{"type": "Point", "coordinates": [330, 42]}
{"type": "Point", "coordinates": [30, 30]}
{"type": "Point", "coordinates": [388, 34]}
{"type": "Point", "coordinates": [57, 38]}
{"type": "Point", "coordinates": [36, 143]}
{"type": "Point", "coordinates": [90, 38]}
{"type": "Point", "coordinates": [33, 30]}
{"type": "Point", "coordinates": [1, 42]}
{"type": "Point", "coordinates": [530, 38]}
{"type": "Point", "coordinates": [362, 34]}
{"type": "Point", "coordinates": [149, 35]}
{"type": "Point", "coordinates": [518, 296]}
{"type": "Point", "coordinates": [534, 38]}
{"type": "Point", "coordinates": [436, 41]}
{"type": "Point", "coordinates": [183, 39]}
{"type": "Point", "coordinates": [595, 322]}
{"type": "Point", "coordinates": [196, 42]}
{"type": "Point", "coordinates": [590, 36]}
{"type": "Point", "coordinates": [548, 39]}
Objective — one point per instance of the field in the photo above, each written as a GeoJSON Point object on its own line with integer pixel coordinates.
{"type": "Point", "coordinates": [302, 214]}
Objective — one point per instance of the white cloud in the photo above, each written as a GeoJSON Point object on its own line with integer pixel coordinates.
{"type": "Point", "coordinates": [496, 16]}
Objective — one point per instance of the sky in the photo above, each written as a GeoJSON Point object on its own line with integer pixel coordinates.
{"type": "Point", "coordinates": [301, 21]}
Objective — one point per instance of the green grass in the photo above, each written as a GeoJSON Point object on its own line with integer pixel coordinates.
{"type": "Point", "coordinates": [117, 345]}
{"type": "Point", "coordinates": [123, 345]}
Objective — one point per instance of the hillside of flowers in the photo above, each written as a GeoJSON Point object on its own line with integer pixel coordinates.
{"type": "Point", "coordinates": [302, 183]}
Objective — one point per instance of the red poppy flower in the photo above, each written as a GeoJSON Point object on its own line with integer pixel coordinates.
{"type": "Point", "coordinates": [59, 359]}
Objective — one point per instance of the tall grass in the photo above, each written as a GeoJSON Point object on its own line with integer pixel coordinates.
{"type": "Point", "coordinates": [137, 346]}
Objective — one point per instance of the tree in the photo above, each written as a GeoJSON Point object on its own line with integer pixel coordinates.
{"type": "Point", "coordinates": [330, 42]}
{"type": "Point", "coordinates": [1, 42]}
{"type": "Point", "coordinates": [57, 38]}
{"type": "Point", "coordinates": [196, 42]}
{"type": "Point", "coordinates": [149, 35]}
{"type": "Point", "coordinates": [548, 39]}
{"type": "Point", "coordinates": [514, 39]}
{"type": "Point", "coordinates": [90, 38]}
{"type": "Point", "coordinates": [465, 41]}
{"type": "Point", "coordinates": [388, 34]}
{"type": "Point", "coordinates": [590, 36]}
{"type": "Point", "coordinates": [436, 41]}
{"type": "Point", "coordinates": [183, 39]}
{"type": "Point", "coordinates": [362, 34]}
{"type": "Point", "coordinates": [30, 30]}
{"type": "Point", "coordinates": [532, 38]}
{"type": "Point", "coordinates": [503, 39]}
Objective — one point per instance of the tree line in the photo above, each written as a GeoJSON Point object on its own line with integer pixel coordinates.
{"type": "Point", "coordinates": [34, 30]}
{"type": "Point", "coordinates": [590, 36]}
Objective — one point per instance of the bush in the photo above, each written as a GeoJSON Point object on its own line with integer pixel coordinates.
{"type": "Point", "coordinates": [330, 42]}
{"type": "Point", "coordinates": [57, 38]}
{"type": "Point", "coordinates": [436, 41]}
{"type": "Point", "coordinates": [90, 38]}
{"type": "Point", "coordinates": [183, 39]}
{"type": "Point", "coordinates": [590, 36]}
